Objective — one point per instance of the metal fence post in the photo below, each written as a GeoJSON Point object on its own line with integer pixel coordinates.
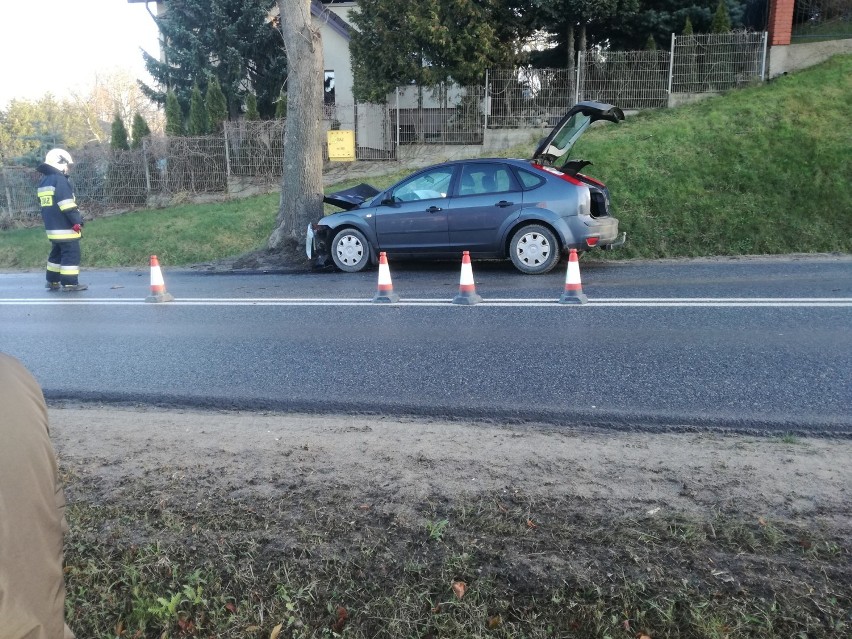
{"type": "Point", "coordinates": [227, 152]}
{"type": "Point", "coordinates": [581, 57]}
{"type": "Point", "coordinates": [8, 194]}
{"type": "Point", "coordinates": [671, 64]}
{"type": "Point", "coordinates": [398, 123]}
{"type": "Point", "coordinates": [487, 103]}
{"type": "Point", "coordinates": [763, 58]}
{"type": "Point", "coordinates": [147, 170]}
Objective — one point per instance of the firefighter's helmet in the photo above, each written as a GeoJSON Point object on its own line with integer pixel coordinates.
{"type": "Point", "coordinates": [59, 159]}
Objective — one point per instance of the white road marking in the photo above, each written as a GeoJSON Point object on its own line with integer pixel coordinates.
{"type": "Point", "coordinates": [706, 302]}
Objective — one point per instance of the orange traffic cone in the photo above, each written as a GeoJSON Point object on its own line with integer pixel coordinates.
{"type": "Point", "coordinates": [384, 293]}
{"type": "Point", "coordinates": [573, 293]}
{"type": "Point", "coordinates": [467, 288]}
{"type": "Point", "coordinates": [158, 286]}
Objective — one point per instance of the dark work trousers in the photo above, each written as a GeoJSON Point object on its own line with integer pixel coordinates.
{"type": "Point", "coordinates": [63, 263]}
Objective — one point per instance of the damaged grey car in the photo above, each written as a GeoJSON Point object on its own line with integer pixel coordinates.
{"type": "Point", "coordinates": [530, 211]}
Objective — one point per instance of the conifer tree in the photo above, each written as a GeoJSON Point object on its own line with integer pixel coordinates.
{"type": "Point", "coordinates": [281, 108]}
{"type": "Point", "coordinates": [429, 42]}
{"type": "Point", "coordinates": [139, 130]}
{"type": "Point", "coordinates": [118, 135]}
{"type": "Point", "coordinates": [174, 115]}
{"type": "Point", "coordinates": [721, 19]}
{"type": "Point", "coordinates": [197, 124]}
{"type": "Point", "coordinates": [235, 40]}
{"type": "Point", "coordinates": [687, 27]}
{"type": "Point", "coordinates": [251, 108]}
{"type": "Point", "coordinates": [650, 44]}
{"type": "Point", "coordinates": [217, 107]}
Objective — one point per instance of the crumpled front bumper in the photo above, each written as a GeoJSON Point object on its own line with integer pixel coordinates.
{"type": "Point", "coordinates": [309, 241]}
{"type": "Point", "coordinates": [316, 245]}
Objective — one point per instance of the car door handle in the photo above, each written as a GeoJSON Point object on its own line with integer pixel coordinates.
{"type": "Point", "coordinates": [504, 203]}
{"type": "Point", "coordinates": [434, 209]}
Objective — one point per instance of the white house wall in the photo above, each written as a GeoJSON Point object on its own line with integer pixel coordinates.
{"type": "Point", "coordinates": [336, 58]}
{"type": "Point", "coordinates": [408, 97]}
{"type": "Point", "coordinates": [370, 129]}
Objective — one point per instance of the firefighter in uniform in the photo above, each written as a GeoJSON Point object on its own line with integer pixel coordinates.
{"type": "Point", "coordinates": [62, 221]}
{"type": "Point", "coordinates": [32, 513]}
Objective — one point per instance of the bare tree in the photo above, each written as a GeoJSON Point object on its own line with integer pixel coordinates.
{"type": "Point", "coordinates": [115, 92]}
{"type": "Point", "coordinates": [301, 183]}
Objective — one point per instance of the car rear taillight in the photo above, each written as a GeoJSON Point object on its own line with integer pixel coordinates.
{"type": "Point", "coordinates": [594, 181]}
{"type": "Point", "coordinates": [592, 241]}
{"type": "Point", "coordinates": [559, 174]}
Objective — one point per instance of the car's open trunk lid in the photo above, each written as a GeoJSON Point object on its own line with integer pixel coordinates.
{"type": "Point", "coordinates": [554, 149]}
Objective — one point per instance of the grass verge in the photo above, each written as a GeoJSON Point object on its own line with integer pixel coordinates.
{"type": "Point", "coordinates": [175, 558]}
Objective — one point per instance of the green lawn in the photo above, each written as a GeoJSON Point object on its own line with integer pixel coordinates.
{"type": "Point", "coordinates": [761, 170]}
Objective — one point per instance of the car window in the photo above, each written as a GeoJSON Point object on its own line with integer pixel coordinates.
{"type": "Point", "coordinates": [431, 184]}
{"type": "Point", "coordinates": [530, 180]}
{"type": "Point", "coordinates": [567, 134]}
{"type": "Point", "coordinates": [482, 179]}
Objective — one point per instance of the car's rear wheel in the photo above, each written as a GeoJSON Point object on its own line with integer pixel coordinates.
{"type": "Point", "coordinates": [534, 249]}
{"type": "Point", "coordinates": [350, 250]}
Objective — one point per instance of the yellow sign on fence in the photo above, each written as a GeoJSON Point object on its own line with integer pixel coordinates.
{"type": "Point", "coordinates": [341, 146]}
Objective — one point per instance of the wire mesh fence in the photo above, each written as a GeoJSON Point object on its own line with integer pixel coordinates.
{"type": "Point", "coordinates": [444, 114]}
{"type": "Point", "coordinates": [255, 149]}
{"type": "Point", "coordinates": [526, 97]}
{"type": "Point", "coordinates": [629, 79]}
{"type": "Point", "coordinates": [822, 19]}
{"type": "Point", "coordinates": [717, 62]}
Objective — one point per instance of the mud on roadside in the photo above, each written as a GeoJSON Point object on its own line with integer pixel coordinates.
{"type": "Point", "coordinates": [202, 524]}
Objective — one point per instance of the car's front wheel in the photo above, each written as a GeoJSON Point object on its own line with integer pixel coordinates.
{"type": "Point", "coordinates": [350, 250]}
{"type": "Point", "coordinates": [534, 249]}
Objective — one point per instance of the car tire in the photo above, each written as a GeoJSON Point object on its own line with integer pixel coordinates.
{"type": "Point", "coordinates": [534, 249]}
{"type": "Point", "coordinates": [350, 250]}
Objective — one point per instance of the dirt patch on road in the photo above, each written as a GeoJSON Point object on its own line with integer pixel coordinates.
{"type": "Point", "coordinates": [229, 524]}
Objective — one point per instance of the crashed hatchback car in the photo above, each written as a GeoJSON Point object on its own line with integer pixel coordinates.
{"type": "Point", "coordinates": [532, 211]}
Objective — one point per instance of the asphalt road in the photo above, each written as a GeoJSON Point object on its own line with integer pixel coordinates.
{"type": "Point", "coordinates": [759, 345]}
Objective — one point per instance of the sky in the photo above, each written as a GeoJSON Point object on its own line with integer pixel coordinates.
{"type": "Point", "coordinates": [60, 45]}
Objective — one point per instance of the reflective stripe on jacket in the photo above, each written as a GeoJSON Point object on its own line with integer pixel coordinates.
{"type": "Point", "coordinates": [58, 207]}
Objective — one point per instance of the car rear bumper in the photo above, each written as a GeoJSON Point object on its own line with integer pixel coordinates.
{"type": "Point", "coordinates": [590, 232]}
{"type": "Point", "coordinates": [618, 242]}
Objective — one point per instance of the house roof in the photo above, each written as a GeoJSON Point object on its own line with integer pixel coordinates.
{"type": "Point", "coordinates": [337, 24]}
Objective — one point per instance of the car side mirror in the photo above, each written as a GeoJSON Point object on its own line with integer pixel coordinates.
{"type": "Point", "coordinates": [389, 200]}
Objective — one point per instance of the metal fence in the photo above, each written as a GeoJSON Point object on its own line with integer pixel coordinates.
{"type": "Point", "coordinates": [822, 19]}
{"type": "Point", "coordinates": [526, 97]}
{"type": "Point", "coordinates": [248, 157]}
{"type": "Point", "coordinates": [629, 79]}
{"type": "Point", "coordinates": [443, 114]}
{"type": "Point", "coordinates": [716, 62]}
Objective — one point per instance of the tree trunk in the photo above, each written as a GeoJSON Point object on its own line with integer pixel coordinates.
{"type": "Point", "coordinates": [571, 45]}
{"type": "Point", "coordinates": [301, 183]}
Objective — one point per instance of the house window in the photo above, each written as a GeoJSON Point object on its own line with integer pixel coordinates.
{"type": "Point", "coordinates": [328, 88]}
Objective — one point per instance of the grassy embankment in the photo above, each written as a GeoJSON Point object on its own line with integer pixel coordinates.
{"type": "Point", "coordinates": [763, 170]}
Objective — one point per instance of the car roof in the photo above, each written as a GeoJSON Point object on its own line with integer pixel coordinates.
{"type": "Point", "coordinates": [476, 161]}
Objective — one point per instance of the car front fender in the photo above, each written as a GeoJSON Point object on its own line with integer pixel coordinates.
{"type": "Point", "coordinates": [325, 230]}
